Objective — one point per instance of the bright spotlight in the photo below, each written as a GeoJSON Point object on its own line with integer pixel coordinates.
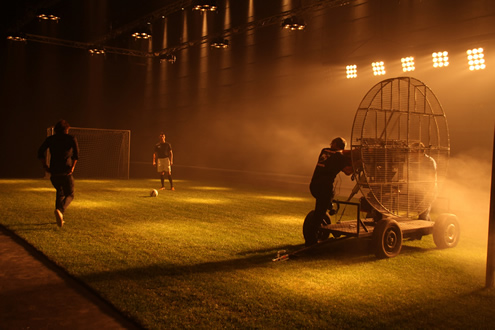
{"type": "Point", "coordinates": [219, 43]}
{"type": "Point", "coordinates": [44, 17]}
{"type": "Point", "coordinates": [205, 5]}
{"type": "Point", "coordinates": [142, 35]}
{"type": "Point", "coordinates": [17, 37]}
{"type": "Point", "coordinates": [440, 59]}
{"type": "Point", "coordinates": [96, 51]}
{"type": "Point", "coordinates": [378, 68]}
{"type": "Point", "coordinates": [476, 59]}
{"type": "Point", "coordinates": [408, 64]}
{"type": "Point", "coordinates": [294, 24]}
{"type": "Point", "coordinates": [351, 71]}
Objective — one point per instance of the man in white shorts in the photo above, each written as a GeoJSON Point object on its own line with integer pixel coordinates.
{"type": "Point", "coordinates": [163, 158]}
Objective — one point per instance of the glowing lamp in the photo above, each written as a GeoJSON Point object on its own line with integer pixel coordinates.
{"type": "Point", "coordinates": [378, 68]}
{"type": "Point", "coordinates": [96, 51]}
{"type": "Point", "coordinates": [476, 59]}
{"type": "Point", "coordinates": [219, 43]}
{"type": "Point", "coordinates": [205, 5]}
{"type": "Point", "coordinates": [440, 59]}
{"type": "Point", "coordinates": [351, 71]}
{"type": "Point", "coordinates": [44, 17]}
{"type": "Point", "coordinates": [408, 64]}
{"type": "Point", "coordinates": [142, 35]}
{"type": "Point", "coordinates": [294, 24]}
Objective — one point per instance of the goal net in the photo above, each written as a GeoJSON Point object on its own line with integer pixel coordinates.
{"type": "Point", "coordinates": [103, 153]}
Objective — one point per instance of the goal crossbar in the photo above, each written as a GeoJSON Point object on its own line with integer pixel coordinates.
{"type": "Point", "coordinates": [103, 153]}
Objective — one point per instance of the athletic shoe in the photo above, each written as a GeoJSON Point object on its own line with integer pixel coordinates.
{"type": "Point", "coordinates": [172, 188]}
{"type": "Point", "coordinates": [60, 218]}
{"type": "Point", "coordinates": [162, 188]}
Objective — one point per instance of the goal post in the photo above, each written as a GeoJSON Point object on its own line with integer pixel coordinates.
{"type": "Point", "coordinates": [103, 153]}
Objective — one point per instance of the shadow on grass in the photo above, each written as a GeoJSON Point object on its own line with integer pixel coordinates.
{"type": "Point", "coordinates": [173, 270]}
{"type": "Point", "coordinates": [345, 251]}
{"type": "Point", "coordinates": [354, 249]}
{"type": "Point", "coordinates": [28, 226]}
{"type": "Point", "coordinates": [274, 249]}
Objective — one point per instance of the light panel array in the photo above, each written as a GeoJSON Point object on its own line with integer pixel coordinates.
{"type": "Point", "coordinates": [351, 71]}
{"type": "Point", "coordinates": [440, 59]}
{"type": "Point", "coordinates": [378, 68]}
{"type": "Point", "coordinates": [476, 59]}
{"type": "Point", "coordinates": [407, 64]}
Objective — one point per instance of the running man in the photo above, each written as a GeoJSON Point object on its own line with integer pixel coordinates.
{"type": "Point", "coordinates": [64, 153]}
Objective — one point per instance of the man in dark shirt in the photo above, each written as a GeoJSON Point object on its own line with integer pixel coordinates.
{"type": "Point", "coordinates": [163, 159]}
{"type": "Point", "coordinates": [64, 153]}
{"type": "Point", "coordinates": [330, 162]}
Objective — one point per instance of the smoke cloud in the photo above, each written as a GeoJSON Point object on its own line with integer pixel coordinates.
{"type": "Point", "coordinates": [467, 190]}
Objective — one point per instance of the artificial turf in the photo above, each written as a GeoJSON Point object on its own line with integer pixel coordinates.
{"type": "Point", "coordinates": [201, 257]}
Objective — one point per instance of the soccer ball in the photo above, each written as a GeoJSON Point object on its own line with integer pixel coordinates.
{"type": "Point", "coordinates": [153, 193]}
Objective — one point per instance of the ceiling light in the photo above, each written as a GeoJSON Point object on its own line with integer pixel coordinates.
{"type": "Point", "coordinates": [205, 5]}
{"type": "Point", "coordinates": [219, 43]}
{"type": "Point", "coordinates": [143, 35]}
{"type": "Point", "coordinates": [293, 23]}
{"type": "Point", "coordinates": [96, 51]}
{"type": "Point", "coordinates": [48, 17]}
{"type": "Point", "coordinates": [17, 37]}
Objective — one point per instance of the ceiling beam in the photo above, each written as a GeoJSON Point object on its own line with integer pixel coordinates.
{"type": "Point", "coordinates": [100, 43]}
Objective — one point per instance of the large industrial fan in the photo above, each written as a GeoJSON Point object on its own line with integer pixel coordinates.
{"type": "Point", "coordinates": [400, 143]}
{"type": "Point", "coordinates": [399, 150]}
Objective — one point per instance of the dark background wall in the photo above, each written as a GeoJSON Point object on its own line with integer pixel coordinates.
{"type": "Point", "coordinates": [268, 103]}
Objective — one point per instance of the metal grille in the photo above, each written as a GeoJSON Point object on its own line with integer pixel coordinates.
{"type": "Point", "coordinates": [400, 146]}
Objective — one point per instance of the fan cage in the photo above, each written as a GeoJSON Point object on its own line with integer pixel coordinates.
{"type": "Point", "coordinates": [400, 147]}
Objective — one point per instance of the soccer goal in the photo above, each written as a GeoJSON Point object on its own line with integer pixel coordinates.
{"type": "Point", "coordinates": [103, 153]}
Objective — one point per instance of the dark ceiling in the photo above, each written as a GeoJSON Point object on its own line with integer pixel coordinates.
{"type": "Point", "coordinates": [20, 15]}
{"type": "Point", "coordinates": [109, 23]}
{"type": "Point", "coordinates": [83, 20]}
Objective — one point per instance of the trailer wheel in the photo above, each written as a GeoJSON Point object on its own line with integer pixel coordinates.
{"type": "Point", "coordinates": [387, 239]}
{"type": "Point", "coordinates": [314, 233]}
{"type": "Point", "coordinates": [446, 231]}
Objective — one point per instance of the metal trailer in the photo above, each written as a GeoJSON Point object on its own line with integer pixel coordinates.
{"type": "Point", "coordinates": [388, 233]}
{"type": "Point", "coordinates": [400, 147]}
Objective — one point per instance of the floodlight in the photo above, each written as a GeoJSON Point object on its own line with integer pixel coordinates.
{"type": "Point", "coordinates": [294, 23]}
{"type": "Point", "coordinates": [48, 18]}
{"type": "Point", "coordinates": [378, 68]}
{"type": "Point", "coordinates": [408, 64]}
{"type": "Point", "coordinates": [351, 71]}
{"type": "Point", "coordinates": [142, 35]}
{"type": "Point", "coordinates": [96, 51]}
{"type": "Point", "coordinates": [440, 59]}
{"type": "Point", "coordinates": [205, 5]}
{"type": "Point", "coordinates": [476, 59]}
{"type": "Point", "coordinates": [219, 43]}
{"type": "Point", "coordinates": [17, 37]}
